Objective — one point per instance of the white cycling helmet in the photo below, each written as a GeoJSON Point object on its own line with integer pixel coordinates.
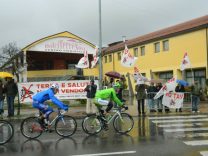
{"type": "Point", "coordinates": [55, 86]}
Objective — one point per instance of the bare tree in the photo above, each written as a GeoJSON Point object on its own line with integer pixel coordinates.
{"type": "Point", "coordinates": [7, 56]}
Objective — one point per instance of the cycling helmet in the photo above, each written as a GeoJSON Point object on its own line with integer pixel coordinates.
{"type": "Point", "coordinates": [55, 86]}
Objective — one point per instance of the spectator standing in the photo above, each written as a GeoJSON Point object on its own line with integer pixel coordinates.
{"type": "Point", "coordinates": [2, 97]}
{"type": "Point", "coordinates": [179, 88]}
{"type": "Point", "coordinates": [141, 95]}
{"type": "Point", "coordinates": [11, 91]}
{"type": "Point", "coordinates": [206, 89]}
{"type": "Point", "coordinates": [195, 97]}
{"type": "Point", "coordinates": [159, 100]}
{"type": "Point", "coordinates": [91, 90]}
{"type": "Point", "coordinates": [111, 83]}
{"type": "Point", "coordinates": [151, 90]}
{"type": "Point", "coordinates": [120, 90]}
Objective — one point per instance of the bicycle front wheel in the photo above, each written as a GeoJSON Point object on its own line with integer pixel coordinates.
{"type": "Point", "coordinates": [6, 131]}
{"type": "Point", "coordinates": [65, 126]}
{"type": "Point", "coordinates": [123, 124]}
{"type": "Point", "coordinates": [31, 127]}
{"type": "Point", "coordinates": [91, 125]}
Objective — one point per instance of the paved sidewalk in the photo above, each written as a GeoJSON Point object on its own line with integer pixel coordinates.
{"type": "Point", "coordinates": [79, 112]}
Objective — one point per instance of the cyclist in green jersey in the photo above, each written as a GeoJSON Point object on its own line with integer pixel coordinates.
{"type": "Point", "coordinates": [106, 97]}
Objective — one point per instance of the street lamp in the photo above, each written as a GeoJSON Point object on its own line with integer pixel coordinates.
{"type": "Point", "coordinates": [100, 48]}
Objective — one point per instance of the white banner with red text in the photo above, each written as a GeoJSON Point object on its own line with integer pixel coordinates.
{"type": "Point", "coordinates": [73, 89]}
{"type": "Point", "coordinates": [173, 100]}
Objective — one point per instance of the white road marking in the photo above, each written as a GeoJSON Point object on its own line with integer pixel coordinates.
{"type": "Point", "coordinates": [191, 135]}
{"type": "Point", "coordinates": [204, 153]}
{"type": "Point", "coordinates": [178, 117]}
{"type": "Point", "coordinates": [180, 120]}
{"type": "Point", "coordinates": [180, 125]}
{"type": "Point", "coordinates": [113, 153]}
{"type": "Point", "coordinates": [196, 143]}
{"type": "Point", "coordinates": [186, 129]}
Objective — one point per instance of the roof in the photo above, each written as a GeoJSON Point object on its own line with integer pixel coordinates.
{"type": "Point", "coordinates": [185, 27]}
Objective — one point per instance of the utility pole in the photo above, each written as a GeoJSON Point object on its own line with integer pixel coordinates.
{"type": "Point", "coordinates": [100, 49]}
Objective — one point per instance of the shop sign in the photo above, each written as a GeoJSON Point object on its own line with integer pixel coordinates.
{"type": "Point", "coordinates": [63, 45]}
{"type": "Point", "coordinates": [73, 89]}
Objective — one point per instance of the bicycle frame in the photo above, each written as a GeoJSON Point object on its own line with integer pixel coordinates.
{"type": "Point", "coordinates": [117, 112]}
{"type": "Point", "coordinates": [57, 116]}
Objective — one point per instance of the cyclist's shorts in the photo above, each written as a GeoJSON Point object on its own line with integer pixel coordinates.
{"type": "Point", "coordinates": [100, 102]}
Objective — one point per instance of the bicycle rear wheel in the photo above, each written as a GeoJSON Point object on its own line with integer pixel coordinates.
{"type": "Point", "coordinates": [123, 124]}
{"type": "Point", "coordinates": [31, 127]}
{"type": "Point", "coordinates": [6, 131]}
{"type": "Point", "coordinates": [91, 125]}
{"type": "Point", "coordinates": [65, 126]}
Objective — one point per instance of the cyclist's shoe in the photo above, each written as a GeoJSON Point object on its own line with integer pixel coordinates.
{"type": "Point", "coordinates": [105, 127]}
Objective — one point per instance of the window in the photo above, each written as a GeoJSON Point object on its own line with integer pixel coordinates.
{"type": "Point", "coordinates": [110, 58]}
{"type": "Point", "coordinates": [157, 47]}
{"type": "Point", "coordinates": [199, 75]}
{"type": "Point", "coordinates": [70, 66]}
{"type": "Point", "coordinates": [135, 52]}
{"type": "Point", "coordinates": [165, 45]}
{"type": "Point", "coordinates": [106, 59]}
{"type": "Point", "coordinates": [166, 76]}
{"type": "Point", "coordinates": [119, 55]}
{"type": "Point", "coordinates": [142, 50]}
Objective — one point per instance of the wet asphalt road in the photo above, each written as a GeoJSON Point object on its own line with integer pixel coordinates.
{"type": "Point", "coordinates": [162, 137]}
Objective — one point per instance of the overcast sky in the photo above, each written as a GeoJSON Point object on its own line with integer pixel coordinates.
{"type": "Point", "coordinates": [25, 21]}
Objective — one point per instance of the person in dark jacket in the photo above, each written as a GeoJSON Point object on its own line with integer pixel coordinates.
{"type": "Point", "coordinates": [2, 96]}
{"type": "Point", "coordinates": [151, 90]}
{"type": "Point", "coordinates": [11, 91]}
{"type": "Point", "coordinates": [141, 95]}
{"type": "Point", "coordinates": [159, 100]}
{"type": "Point", "coordinates": [179, 88]}
{"type": "Point", "coordinates": [91, 90]}
{"type": "Point", "coordinates": [196, 91]}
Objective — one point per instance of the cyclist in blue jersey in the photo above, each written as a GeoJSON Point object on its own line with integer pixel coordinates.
{"type": "Point", "coordinates": [49, 94]}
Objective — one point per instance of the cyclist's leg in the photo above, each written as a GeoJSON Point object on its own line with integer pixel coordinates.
{"type": "Point", "coordinates": [99, 103]}
{"type": "Point", "coordinates": [46, 111]}
{"type": "Point", "coordinates": [109, 106]}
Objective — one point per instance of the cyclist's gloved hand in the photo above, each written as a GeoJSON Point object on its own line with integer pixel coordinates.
{"type": "Point", "coordinates": [66, 107]}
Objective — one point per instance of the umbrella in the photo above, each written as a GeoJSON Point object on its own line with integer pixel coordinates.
{"type": "Point", "coordinates": [5, 74]}
{"type": "Point", "coordinates": [182, 82]}
{"type": "Point", "coordinates": [113, 74]}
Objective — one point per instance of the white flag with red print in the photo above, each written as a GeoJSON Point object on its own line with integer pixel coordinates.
{"type": "Point", "coordinates": [185, 62]}
{"type": "Point", "coordinates": [167, 87]}
{"type": "Point", "coordinates": [95, 58]}
{"type": "Point", "coordinates": [127, 60]}
{"type": "Point", "coordinates": [138, 76]}
{"type": "Point", "coordinates": [83, 62]}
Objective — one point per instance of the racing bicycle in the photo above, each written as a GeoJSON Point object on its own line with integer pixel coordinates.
{"type": "Point", "coordinates": [122, 122]}
{"type": "Point", "coordinates": [6, 131]}
{"type": "Point", "coordinates": [33, 127]}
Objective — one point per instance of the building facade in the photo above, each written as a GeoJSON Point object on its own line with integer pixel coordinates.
{"type": "Point", "coordinates": [51, 58]}
{"type": "Point", "coordinates": [160, 53]}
